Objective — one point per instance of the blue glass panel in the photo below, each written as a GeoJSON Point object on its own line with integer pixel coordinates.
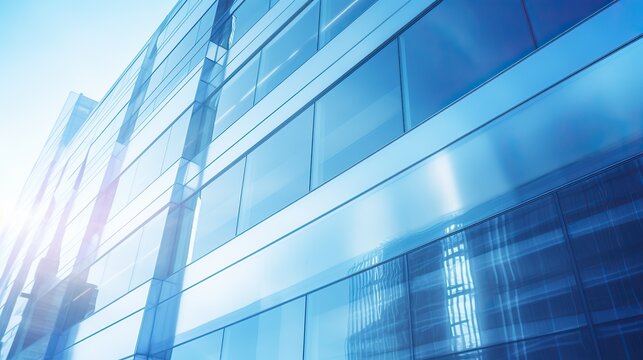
{"type": "Point", "coordinates": [604, 217]}
{"type": "Point", "coordinates": [363, 317]}
{"type": "Point", "coordinates": [246, 15]}
{"type": "Point", "coordinates": [506, 279]}
{"type": "Point", "coordinates": [207, 347]}
{"type": "Point", "coordinates": [236, 97]}
{"type": "Point", "coordinates": [275, 334]}
{"type": "Point", "coordinates": [149, 165]}
{"type": "Point", "coordinates": [621, 340]}
{"type": "Point", "coordinates": [457, 46]}
{"type": "Point", "coordinates": [573, 345]}
{"type": "Point", "coordinates": [277, 171]}
{"type": "Point", "coordinates": [551, 17]}
{"type": "Point", "coordinates": [292, 47]}
{"type": "Point", "coordinates": [358, 116]}
{"type": "Point", "coordinates": [217, 218]}
{"type": "Point", "coordinates": [336, 15]}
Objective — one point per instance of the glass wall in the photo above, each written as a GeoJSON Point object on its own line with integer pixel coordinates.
{"type": "Point", "coordinates": [277, 171]}
{"type": "Point", "coordinates": [457, 46]}
{"type": "Point", "coordinates": [358, 116]}
{"type": "Point", "coordinates": [217, 213]}
{"type": "Point", "coordinates": [447, 52]}
{"type": "Point", "coordinates": [557, 277]}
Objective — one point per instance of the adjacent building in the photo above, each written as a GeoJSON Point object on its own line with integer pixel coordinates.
{"type": "Point", "coordinates": [344, 179]}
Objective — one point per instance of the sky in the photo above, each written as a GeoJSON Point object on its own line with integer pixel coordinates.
{"type": "Point", "coordinates": [49, 48]}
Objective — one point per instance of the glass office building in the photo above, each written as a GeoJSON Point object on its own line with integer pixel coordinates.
{"type": "Point", "coordinates": [344, 179]}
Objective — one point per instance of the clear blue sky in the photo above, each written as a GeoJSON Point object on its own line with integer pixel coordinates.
{"type": "Point", "coordinates": [49, 48]}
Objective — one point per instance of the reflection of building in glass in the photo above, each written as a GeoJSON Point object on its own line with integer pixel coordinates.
{"type": "Point", "coordinates": [374, 313]}
{"type": "Point", "coordinates": [460, 292]}
{"type": "Point", "coordinates": [274, 177]}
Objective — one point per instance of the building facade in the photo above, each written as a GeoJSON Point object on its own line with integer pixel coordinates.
{"type": "Point", "coordinates": [344, 179]}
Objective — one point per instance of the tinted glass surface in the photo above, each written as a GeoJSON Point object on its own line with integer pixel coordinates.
{"type": "Point", "coordinates": [455, 47]}
{"type": "Point", "coordinates": [207, 347]}
{"type": "Point", "coordinates": [236, 97]}
{"type": "Point", "coordinates": [246, 15]}
{"type": "Point", "coordinates": [604, 217]}
{"type": "Point", "coordinates": [336, 15]}
{"type": "Point", "coordinates": [288, 51]}
{"type": "Point", "coordinates": [621, 340]}
{"type": "Point", "coordinates": [277, 171]}
{"type": "Point", "coordinates": [276, 334]}
{"type": "Point", "coordinates": [506, 279]}
{"type": "Point", "coordinates": [218, 212]}
{"type": "Point", "coordinates": [358, 116]}
{"type": "Point", "coordinates": [363, 317]}
{"type": "Point", "coordinates": [551, 17]}
{"type": "Point", "coordinates": [574, 345]}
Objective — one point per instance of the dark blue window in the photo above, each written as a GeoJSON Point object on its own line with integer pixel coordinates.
{"type": "Point", "coordinates": [506, 279]}
{"type": "Point", "coordinates": [621, 340]}
{"type": "Point", "coordinates": [604, 217]}
{"type": "Point", "coordinates": [574, 345]}
{"type": "Point", "coordinates": [363, 317]}
{"type": "Point", "coordinates": [457, 46]}
{"type": "Point", "coordinates": [358, 116]}
{"type": "Point", "coordinates": [551, 17]}
{"type": "Point", "coordinates": [336, 15]}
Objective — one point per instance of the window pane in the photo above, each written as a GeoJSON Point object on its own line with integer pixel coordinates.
{"type": "Point", "coordinates": [574, 345]}
{"type": "Point", "coordinates": [276, 334]}
{"type": "Point", "coordinates": [277, 171]}
{"type": "Point", "coordinates": [551, 17]}
{"type": "Point", "coordinates": [358, 116]}
{"type": "Point", "coordinates": [236, 97]}
{"type": "Point", "coordinates": [457, 46]}
{"type": "Point", "coordinates": [621, 340]}
{"type": "Point", "coordinates": [506, 279]}
{"type": "Point", "coordinates": [246, 15]}
{"type": "Point", "coordinates": [218, 211]}
{"type": "Point", "coordinates": [364, 317]}
{"type": "Point", "coordinates": [207, 347]}
{"type": "Point", "coordinates": [336, 15]}
{"type": "Point", "coordinates": [604, 217]}
{"type": "Point", "coordinates": [288, 51]}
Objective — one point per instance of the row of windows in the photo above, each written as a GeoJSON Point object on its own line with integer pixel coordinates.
{"type": "Point", "coordinates": [542, 280]}
{"type": "Point", "coordinates": [455, 47]}
{"type": "Point", "coordinates": [441, 57]}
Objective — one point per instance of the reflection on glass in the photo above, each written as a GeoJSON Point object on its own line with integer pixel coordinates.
{"type": "Point", "coordinates": [551, 17]}
{"type": "Point", "coordinates": [246, 15]}
{"type": "Point", "coordinates": [218, 211]}
{"type": "Point", "coordinates": [358, 116]}
{"type": "Point", "coordinates": [568, 345]}
{"type": "Point", "coordinates": [275, 334]}
{"type": "Point", "coordinates": [288, 51]}
{"type": "Point", "coordinates": [277, 171]}
{"type": "Point", "coordinates": [236, 97]}
{"type": "Point", "coordinates": [207, 347]}
{"type": "Point", "coordinates": [604, 217]}
{"type": "Point", "coordinates": [508, 278]}
{"type": "Point", "coordinates": [621, 340]}
{"type": "Point", "coordinates": [336, 15]}
{"type": "Point", "coordinates": [460, 292]}
{"type": "Point", "coordinates": [457, 46]}
{"type": "Point", "coordinates": [364, 317]}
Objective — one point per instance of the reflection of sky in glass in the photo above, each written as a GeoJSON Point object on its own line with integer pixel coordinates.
{"type": "Point", "coordinates": [461, 302]}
